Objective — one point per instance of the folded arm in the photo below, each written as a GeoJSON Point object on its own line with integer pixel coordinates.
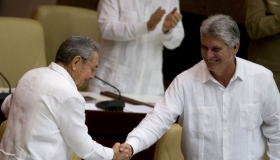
{"type": "Point", "coordinates": [259, 22]}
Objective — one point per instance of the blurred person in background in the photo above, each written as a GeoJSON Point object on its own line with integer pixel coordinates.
{"type": "Point", "coordinates": [133, 36]}
{"type": "Point", "coordinates": [263, 27]}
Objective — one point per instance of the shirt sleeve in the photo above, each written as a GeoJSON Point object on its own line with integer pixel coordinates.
{"type": "Point", "coordinates": [113, 27]}
{"type": "Point", "coordinates": [176, 36]}
{"type": "Point", "coordinates": [158, 121]}
{"type": "Point", "coordinates": [271, 118]}
{"type": "Point", "coordinates": [259, 22]}
{"type": "Point", "coordinates": [70, 118]}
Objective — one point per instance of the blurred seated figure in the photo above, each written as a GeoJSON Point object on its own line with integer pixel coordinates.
{"type": "Point", "coordinates": [263, 27]}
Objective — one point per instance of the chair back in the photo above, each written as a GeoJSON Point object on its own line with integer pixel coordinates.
{"type": "Point", "coordinates": [60, 22]}
{"type": "Point", "coordinates": [74, 157]}
{"type": "Point", "coordinates": [168, 147]}
{"type": "Point", "coordinates": [22, 47]}
{"type": "Point", "coordinates": [2, 129]}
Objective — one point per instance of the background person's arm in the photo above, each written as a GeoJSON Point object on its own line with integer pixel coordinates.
{"type": "Point", "coordinates": [262, 21]}
{"type": "Point", "coordinates": [117, 24]}
{"type": "Point", "coordinates": [173, 39]}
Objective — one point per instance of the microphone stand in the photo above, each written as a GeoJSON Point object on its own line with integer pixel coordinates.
{"type": "Point", "coordinates": [111, 105]}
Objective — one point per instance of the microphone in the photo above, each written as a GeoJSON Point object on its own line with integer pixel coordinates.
{"type": "Point", "coordinates": [3, 95]}
{"type": "Point", "coordinates": [112, 105]}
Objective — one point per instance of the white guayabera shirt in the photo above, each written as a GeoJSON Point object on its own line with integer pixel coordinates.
{"type": "Point", "coordinates": [46, 119]}
{"type": "Point", "coordinates": [131, 57]}
{"type": "Point", "coordinates": [218, 123]}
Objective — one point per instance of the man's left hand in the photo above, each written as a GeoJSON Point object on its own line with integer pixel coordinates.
{"type": "Point", "coordinates": [171, 20]}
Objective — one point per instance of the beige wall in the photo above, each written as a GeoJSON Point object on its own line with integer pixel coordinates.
{"type": "Point", "coordinates": [20, 8]}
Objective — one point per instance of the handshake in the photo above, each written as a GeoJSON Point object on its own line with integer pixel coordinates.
{"type": "Point", "coordinates": [122, 151]}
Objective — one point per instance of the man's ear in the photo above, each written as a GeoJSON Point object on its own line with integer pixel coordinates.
{"type": "Point", "coordinates": [236, 48]}
{"type": "Point", "coordinates": [76, 61]}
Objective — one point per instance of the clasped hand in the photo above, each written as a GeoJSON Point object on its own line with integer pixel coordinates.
{"type": "Point", "coordinates": [170, 21]}
{"type": "Point", "coordinates": [122, 151]}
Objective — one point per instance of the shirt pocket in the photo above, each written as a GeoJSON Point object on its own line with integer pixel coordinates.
{"type": "Point", "coordinates": [128, 16]}
{"type": "Point", "coordinates": [249, 116]}
{"type": "Point", "coordinates": [202, 119]}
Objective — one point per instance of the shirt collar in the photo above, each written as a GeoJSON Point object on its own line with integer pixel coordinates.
{"type": "Point", "coordinates": [206, 75]}
{"type": "Point", "coordinates": [57, 68]}
{"type": "Point", "coordinates": [239, 73]}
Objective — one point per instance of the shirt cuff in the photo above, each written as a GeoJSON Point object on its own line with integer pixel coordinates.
{"type": "Point", "coordinates": [109, 153]}
{"type": "Point", "coordinates": [133, 144]}
{"type": "Point", "coordinates": [167, 36]}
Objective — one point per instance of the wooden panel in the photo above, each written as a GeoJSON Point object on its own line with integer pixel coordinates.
{"type": "Point", "coordinates": [90, 4]}
{"type": "Point", "coordinates": [234, 8]}
{"type": "Point", "coordinates": [17, 8]}
{"type": "Point", "coordinates": [107, 128]}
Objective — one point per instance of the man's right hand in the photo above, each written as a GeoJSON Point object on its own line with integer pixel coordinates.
{"type": "Point", "coordinates": [155, 19]}
{"type": "Point", "coordinates": [124, 155]}
{"type": "Point", "coordinates": [125, 147]}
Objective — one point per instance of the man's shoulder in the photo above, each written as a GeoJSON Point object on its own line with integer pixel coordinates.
{"type": "Point", "coordinates": [61, 92]}
{"type": "Point", "coordinates": [51, 83]}
{"type": "Point", "coordinates": [194, 73]}
{"type": "Point", "coordinates": [194, 69]}
{"type": "Point", "coordinates": [252, 68]}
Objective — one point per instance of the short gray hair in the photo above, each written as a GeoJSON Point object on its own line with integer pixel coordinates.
{"type": "Point", "coordinates": [76, 45]}
{"type": "Point", "coordinates": [221, 26]}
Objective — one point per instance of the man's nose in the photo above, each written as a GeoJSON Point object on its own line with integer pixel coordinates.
{"type": "Point", "coordinates": [92, 75]}
{"type": "Point", "coordinates": [209, 54]}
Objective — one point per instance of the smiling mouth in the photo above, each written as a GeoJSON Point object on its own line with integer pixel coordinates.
{"type": "Point", "coordinates": [212, 61]}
